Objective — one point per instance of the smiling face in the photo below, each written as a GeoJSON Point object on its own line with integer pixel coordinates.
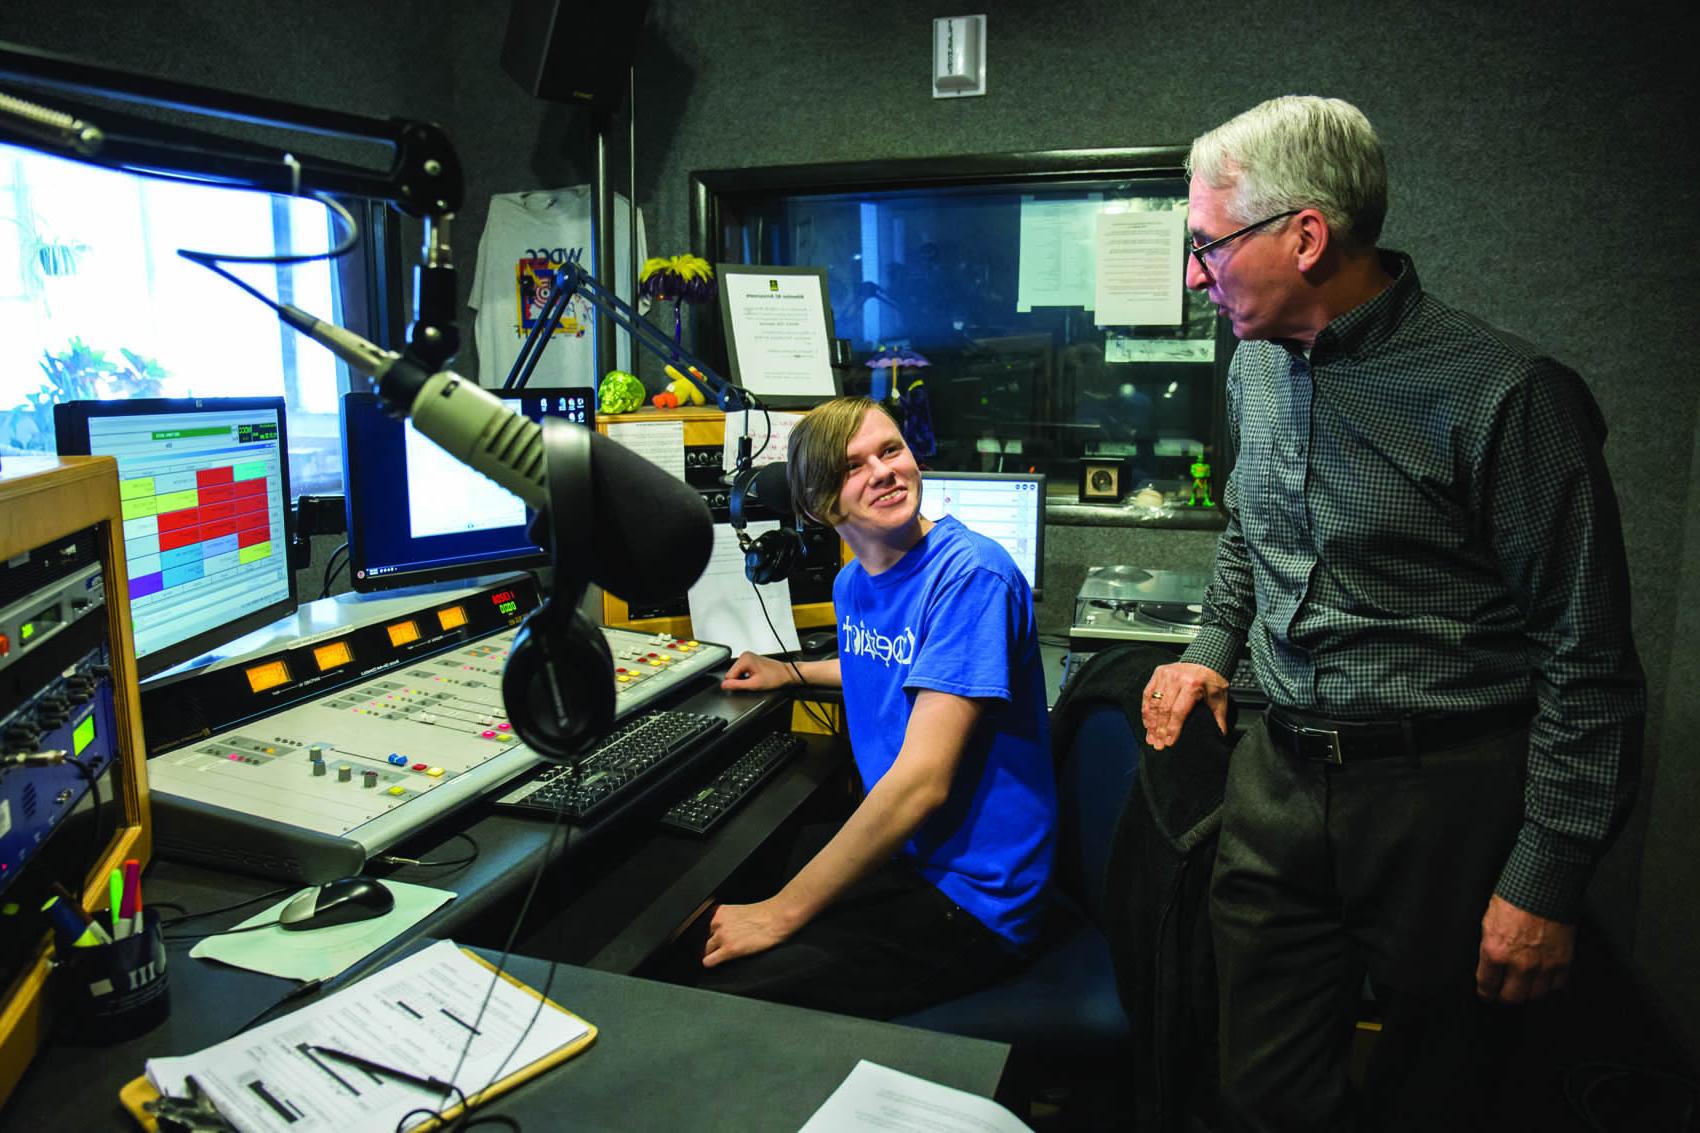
{"type": "Point", "coordinates": [1252, 279]}
{"type": "Point", "coordinates": [880, 499]}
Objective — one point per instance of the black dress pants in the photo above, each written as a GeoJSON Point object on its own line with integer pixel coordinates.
{"type": "Point", "coordinates": [1327, 872]}
{"type": "Point", "coordinates": [890, 944]}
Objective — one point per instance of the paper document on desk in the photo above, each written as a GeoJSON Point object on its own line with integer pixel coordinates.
{"type": "Point", "coordinates": [878, 1097]}
{"type": "Point", "coordinates": [319, 953]}
{"type": "Point", "coordinates": [725, 606]}
{"type": "Point", "coordinates": [414, 1016]}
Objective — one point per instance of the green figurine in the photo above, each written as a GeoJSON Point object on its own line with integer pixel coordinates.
{"type": "Point", "coordinates": [1200, 484]}
{"type": "Point", "coordinates": [620, 392]}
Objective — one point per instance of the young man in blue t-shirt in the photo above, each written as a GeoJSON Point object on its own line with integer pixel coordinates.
{"type": "Point", "coordinates": [935, 883]}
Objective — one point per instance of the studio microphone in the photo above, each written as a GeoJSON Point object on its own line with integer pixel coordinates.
{"type": "Point", "coordinates": [769, 488]}
{"type": "Point", "coordinates": [653, 532]}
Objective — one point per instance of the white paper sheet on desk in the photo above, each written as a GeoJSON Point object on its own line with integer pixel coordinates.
{"type": "Point", "coordinates": [724, 606]}
{"type": "Point", "coordinates": [415, 1016]}
{"type": "Point", "coordinates": [878, 1097]}
{"type": "Point", "coordinates": [320, 953]}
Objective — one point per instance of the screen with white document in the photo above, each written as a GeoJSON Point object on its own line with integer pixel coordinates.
{"type": "Point", "coordinates": [1006, 507]}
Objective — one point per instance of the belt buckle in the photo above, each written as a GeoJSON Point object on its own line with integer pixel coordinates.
{"type": "Point", "coordinates": [1333, 754]}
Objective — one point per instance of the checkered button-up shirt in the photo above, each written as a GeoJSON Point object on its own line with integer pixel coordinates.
{"type": "Point", "coordinates": [1420, 521]}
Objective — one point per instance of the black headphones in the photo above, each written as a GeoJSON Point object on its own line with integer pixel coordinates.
{"type": "Point", "coordinates": [558, 684]}
{"type": "Point", "coordinates": [770, 557]}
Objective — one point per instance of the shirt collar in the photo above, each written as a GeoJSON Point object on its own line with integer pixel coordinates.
{"type": "Point", "coordinates": [1370, 324]}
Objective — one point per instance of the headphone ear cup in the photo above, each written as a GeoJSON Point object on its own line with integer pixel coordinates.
{"type": "Point", "coordinates": [556, 683]}
{"type": "Point", "coordinates": [771, 557]}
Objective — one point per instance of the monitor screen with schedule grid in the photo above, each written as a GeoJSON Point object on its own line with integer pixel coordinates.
{"type": "Point", "coordinates": [1006, 507]}
{"type": "Point", "coordinates": [203, 485]}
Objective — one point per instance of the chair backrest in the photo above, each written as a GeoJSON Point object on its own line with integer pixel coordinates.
{"type": "Point", "coordinates": [1094, 775]}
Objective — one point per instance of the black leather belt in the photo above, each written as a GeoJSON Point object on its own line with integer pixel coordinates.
{"type": "Point", "coordinates": [1344, 741]}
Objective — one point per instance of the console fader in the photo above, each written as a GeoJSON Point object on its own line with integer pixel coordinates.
{"type": "Point", "coordinates": [310, 791]}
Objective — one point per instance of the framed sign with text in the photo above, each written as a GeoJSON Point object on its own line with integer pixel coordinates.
{"type": "Point", "coordinates": [778, 324]}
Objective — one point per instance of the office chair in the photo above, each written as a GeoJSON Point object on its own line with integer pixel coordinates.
{"type": "Point", "coordinates": [1064, 1005]}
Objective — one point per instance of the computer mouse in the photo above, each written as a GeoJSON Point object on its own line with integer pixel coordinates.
{"type": "Point", "coordinates": [343, 901]}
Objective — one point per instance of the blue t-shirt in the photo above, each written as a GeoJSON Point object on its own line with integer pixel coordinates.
{"type": "Point", "coordinates": [955, 615]}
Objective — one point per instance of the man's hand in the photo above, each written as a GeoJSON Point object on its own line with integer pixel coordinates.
{"type": "Point", "coordinates": [742, 930]}
{"type": "Point", "coordinates": [1522, 956]}
{"type": "Point", "coordinates": [1170, 695]}
{"type": "Point", "coordinates": [752, 672]}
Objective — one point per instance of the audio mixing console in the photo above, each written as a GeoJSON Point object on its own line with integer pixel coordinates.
{"type": "Point", "coordinates": [310, 791]}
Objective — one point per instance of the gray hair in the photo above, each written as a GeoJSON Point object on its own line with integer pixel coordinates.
{"type": "Point", "coordinates": [1298, 151]}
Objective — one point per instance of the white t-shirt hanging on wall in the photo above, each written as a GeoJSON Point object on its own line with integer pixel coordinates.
{"type": "Point", "coordinates": [526, 238]}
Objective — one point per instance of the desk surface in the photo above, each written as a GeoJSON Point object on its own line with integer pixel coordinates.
{"type": "Point", "coordinates": [666, 1057]}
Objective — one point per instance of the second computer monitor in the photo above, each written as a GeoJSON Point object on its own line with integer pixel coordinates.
{"type": "Point", "coordinates": [204, 484]}
{"type": "Point", "coordinates": [417, 514]}
{"type": "Point", "coordinates": [1006, 507]}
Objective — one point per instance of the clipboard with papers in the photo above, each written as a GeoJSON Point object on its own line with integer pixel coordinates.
{"type": "Point", "coordinates": [412, 1021]}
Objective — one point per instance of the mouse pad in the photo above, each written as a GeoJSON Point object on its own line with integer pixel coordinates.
{"type": "Point", "coordinates": [321, 952]}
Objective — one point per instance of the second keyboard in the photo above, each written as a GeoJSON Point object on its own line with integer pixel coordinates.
{"type": "Point", "coordinates": [703, 810]}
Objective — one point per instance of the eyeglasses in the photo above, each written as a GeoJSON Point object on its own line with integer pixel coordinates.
{"type": "Point", "coordinates": [1198, 250]}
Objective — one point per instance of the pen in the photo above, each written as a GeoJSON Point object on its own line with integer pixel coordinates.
{"type": "Point", "coordinates": [369, 1066]}
{"type": "Point", "coordinates": [132, 896]}
{"type": "Point", "coordinates": [115, 891]}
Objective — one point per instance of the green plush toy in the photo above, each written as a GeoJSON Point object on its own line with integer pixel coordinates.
{"type": "Point", "coordinates": [620, 392]}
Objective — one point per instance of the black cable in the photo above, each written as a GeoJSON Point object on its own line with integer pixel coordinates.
{"type": "Point", "coordinates": [767, 424]}
{"type": "Point", "coordinates": [88, 775]}
{"type": "Point", "coordinates": [223, 931]}
{"type": "Point", "coordinates": [290, 996]}
{"type": "Point", "coordinates": [331, 569]}
{"type": "Point", "coordinates": [351, 238]}
{"type": "Point", "coordinates": [830, 728]}
{"type": "Point", "coordinates": [452, 863]}
{"type": "Point", "coordinates": [556, 826]}
{"type": "Point", "coordinates": [226, 908]}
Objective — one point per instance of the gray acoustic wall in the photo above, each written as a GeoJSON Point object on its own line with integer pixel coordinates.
{"type": "Point", "coordinates": [1543, 174]}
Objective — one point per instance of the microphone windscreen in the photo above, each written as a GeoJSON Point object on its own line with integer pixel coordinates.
{"type": "Point", "coordinates": [769, 488]}
{"type": "Point", "coordinates": [654, 533]}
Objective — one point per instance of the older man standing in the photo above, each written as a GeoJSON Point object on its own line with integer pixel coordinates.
{"type": "Point", "coordinates": [1424, 557]}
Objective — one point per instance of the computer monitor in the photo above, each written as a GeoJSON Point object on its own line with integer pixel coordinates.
{"type": "Point", "coordinates": [417, 514]}
{"type": "Point", "coordinates": [1006, 507]}
{"type": "Point", "coordinates": [204, 487]}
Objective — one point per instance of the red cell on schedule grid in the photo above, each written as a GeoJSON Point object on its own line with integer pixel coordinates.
{"type": "Point", "coordinates": [253, 535]}
{"type": "Point", "coordinates": [254, 487]}
{"type": "Point", "coordinates": [214, 476]}
{"type": "Point", "coordinates": [178, 520]}
{"type": "Point", "coordinates": [216, 511]}
{"type": "Point", "coordinates": [217, 493]}
{"type": "Point", "coordinates": [171, 540]}
{"type": "Point", "coordinates": [218, 529]}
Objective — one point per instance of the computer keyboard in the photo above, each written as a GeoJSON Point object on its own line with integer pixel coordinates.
{"type": "Point", "coordinates": [702, 811]}
{"type": "Point", "coordinates": [618, 768]}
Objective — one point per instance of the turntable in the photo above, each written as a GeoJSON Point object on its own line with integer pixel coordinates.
{"type": "Point", "coordinates": [1125, 603]}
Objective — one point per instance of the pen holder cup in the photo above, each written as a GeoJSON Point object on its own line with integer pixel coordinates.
{"type": "Point", "coordinates": [112, 992]}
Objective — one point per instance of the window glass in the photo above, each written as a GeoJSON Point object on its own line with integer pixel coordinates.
{"type": "Point", "coordinates": [95, 302]}
{"type": "Point", "coordinates": [999, 291]}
